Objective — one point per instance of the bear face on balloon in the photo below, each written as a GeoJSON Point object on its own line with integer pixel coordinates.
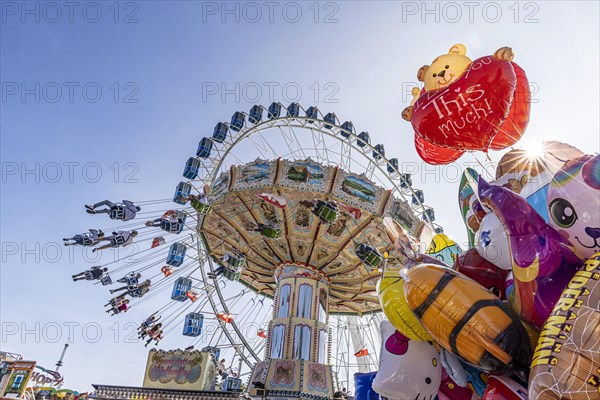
{"type": "Point", "coordinates": [468, 105]}
{"type": "Point", "coordinates": [574, 203]}
{"type": "Point", "coordinates": [445, 69]}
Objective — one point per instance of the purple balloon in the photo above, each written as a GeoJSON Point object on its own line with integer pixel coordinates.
{"type": "Point", "coordinates": [543, 261]}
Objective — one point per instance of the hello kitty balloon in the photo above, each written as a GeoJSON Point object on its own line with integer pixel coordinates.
{"type": "Point", "coordinates": [408, 369]}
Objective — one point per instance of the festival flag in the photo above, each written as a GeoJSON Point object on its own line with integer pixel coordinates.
{"type": "Point", "coordinates": [227, 318]}
{"type": "Point", "coordinates": [277, 201]}
{"type": "Point", "coordinates": [157, 241]}
{"type": "Point", "coordinates": [192, 295]}
{"type": "Point", "coordinates": [166, 270]}
{"type": "Point", "coordinates": [261, 333]}
{"type": "Point", "coordinates": [362, 353]}
{"type": "Point", "coordinates": [355, 212]}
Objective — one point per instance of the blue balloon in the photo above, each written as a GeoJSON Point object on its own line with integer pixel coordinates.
{"type": "Point", "coordinates": [363, 384]}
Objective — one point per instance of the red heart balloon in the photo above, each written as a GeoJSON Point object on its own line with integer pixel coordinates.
{"type": "Point", "coordinates": [467, 114]}
{"type": "Point", "coordinates": [435, 155]}
{"type": "Point", "coordinates": [515, 124]}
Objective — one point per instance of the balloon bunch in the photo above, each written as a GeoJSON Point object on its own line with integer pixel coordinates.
{"type": "Point", "coordinates": [468, 105]}
{"type": "Point", "coordinates": [517, 315]}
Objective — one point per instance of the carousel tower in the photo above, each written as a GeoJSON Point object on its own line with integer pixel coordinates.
{"type": "Point", "coordinates": [297, 353]}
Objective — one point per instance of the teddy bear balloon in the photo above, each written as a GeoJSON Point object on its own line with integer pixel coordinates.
{"type": "Point", "coordinates": [468, 105]}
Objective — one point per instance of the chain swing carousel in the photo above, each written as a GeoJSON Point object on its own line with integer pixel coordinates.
{"type": "Point", "coordinates": [288, 210]}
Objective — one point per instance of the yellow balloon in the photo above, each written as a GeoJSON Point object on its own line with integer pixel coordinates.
{"type": "Point", "coordinates": [390, 290]}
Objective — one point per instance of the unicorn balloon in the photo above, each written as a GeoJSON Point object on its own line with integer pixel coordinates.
{"type": "Point", "coordinates": [543, 261]}
{"type": "Point", "coordinates": [574, 203]}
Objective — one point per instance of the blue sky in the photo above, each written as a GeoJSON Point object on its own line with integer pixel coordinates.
{"type": "Point", "coordinates": [158, 74]}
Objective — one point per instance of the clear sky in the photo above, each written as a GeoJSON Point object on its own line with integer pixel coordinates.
{"type": "Point", "coordinates": [127, 89]}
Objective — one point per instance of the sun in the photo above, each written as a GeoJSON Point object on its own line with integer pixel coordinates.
{"type": "Point", "coordinates": [534, 150]}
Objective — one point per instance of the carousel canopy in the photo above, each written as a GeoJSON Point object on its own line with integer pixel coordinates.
{"type": "Point", "coordinates": [301, 212]}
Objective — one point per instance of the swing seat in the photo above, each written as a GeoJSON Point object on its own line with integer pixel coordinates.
{"type": "Point", "coordinates": [192, 295]}
{"type": "Point", "coordinates": [328, 212]}
{"type": "Point", "coordinates": [117, 241]}
{"type": "Point", "coordinates": [166, 270]}
{"type": "Point", "coordinates": [117, 211]}
{"type": "Point", "coordinates": [131, 281]}
{"type": "Point", "coordinates": [231, 274]}
{"type": "Point", "coordinates": [86, 239]}
{"type": "Point", "coordinates": [199, 206]}
{"type": "Point", "coordinates": [106, 280]}
{"type": "Point", "coordinates": [369, 255]}
{"type": "Point", "coordinates": [235, 261]}
{"type": "Point", "coordinates": [270, 232]}
{"type": "Point", "coordinates": [173, 226]}
{"type": "Point", "coordinates": [231, 384]}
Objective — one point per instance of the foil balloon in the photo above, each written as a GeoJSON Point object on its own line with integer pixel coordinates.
{"type": "Point", "coordinates": [574, 203]}
{"type": "Point", "coordinates": [476, 380]}
{"type": "Point", "coordinates": [408, 369]}
{"type": "Point", "coordinates": [505, 387]}
{"type": "Point", "coordinates": [390, 289]}
{"type": "Point", "coordinates": [443, 248]}
{"type": "Point", "coordinates": [483, 272]}
{"type": "Point", "coordinates": [469, 105]}
{"type": "Point", "coordinates": [543, 261]}
{"type": "Point", "coordinates": [470, 208]}
{"type": "Point", "coordinates": [529, 172]}
{"type": "Point", "coordinates": [363, 386]}
{"type": "Point", "coordinates": [435, 155]}
{"type": "Point", "coordinates": [491, 242]}
{"type": "Point", "coordinates": [466, 319]}
{"type": "Point", "coordinates": [538, 165]}
{"type": "Point", "coordinates": [450, 390]}
{"type": "Point", "coordinates": [566, 361]}
{"type": "Point", "coordinates": [453, 367]}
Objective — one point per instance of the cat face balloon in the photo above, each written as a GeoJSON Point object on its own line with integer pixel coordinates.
{"type": "Point", "coordinates": [574, 203]}
{"type": "Point", "coordinates": [408, 369]}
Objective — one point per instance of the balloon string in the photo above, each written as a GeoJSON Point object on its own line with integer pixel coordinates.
{"type": "Point", "coordinates": [484, 170]}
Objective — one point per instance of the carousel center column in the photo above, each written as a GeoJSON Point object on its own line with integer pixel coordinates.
{"type": "Point", "coordinates": [297, 353]}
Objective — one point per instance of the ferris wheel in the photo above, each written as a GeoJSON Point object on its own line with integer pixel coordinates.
{"type": "Point", "coordinates": [279, 196]}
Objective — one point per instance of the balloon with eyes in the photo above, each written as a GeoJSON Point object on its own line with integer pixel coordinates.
{"type": "Point", "coordinates": [408, 369]}
{"type": "Point", "coordinates": [542, 260]}
{"type": "Point", "coordinates": [574, 203]}
{"type": "Point", "coordinates": [468, 105]}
